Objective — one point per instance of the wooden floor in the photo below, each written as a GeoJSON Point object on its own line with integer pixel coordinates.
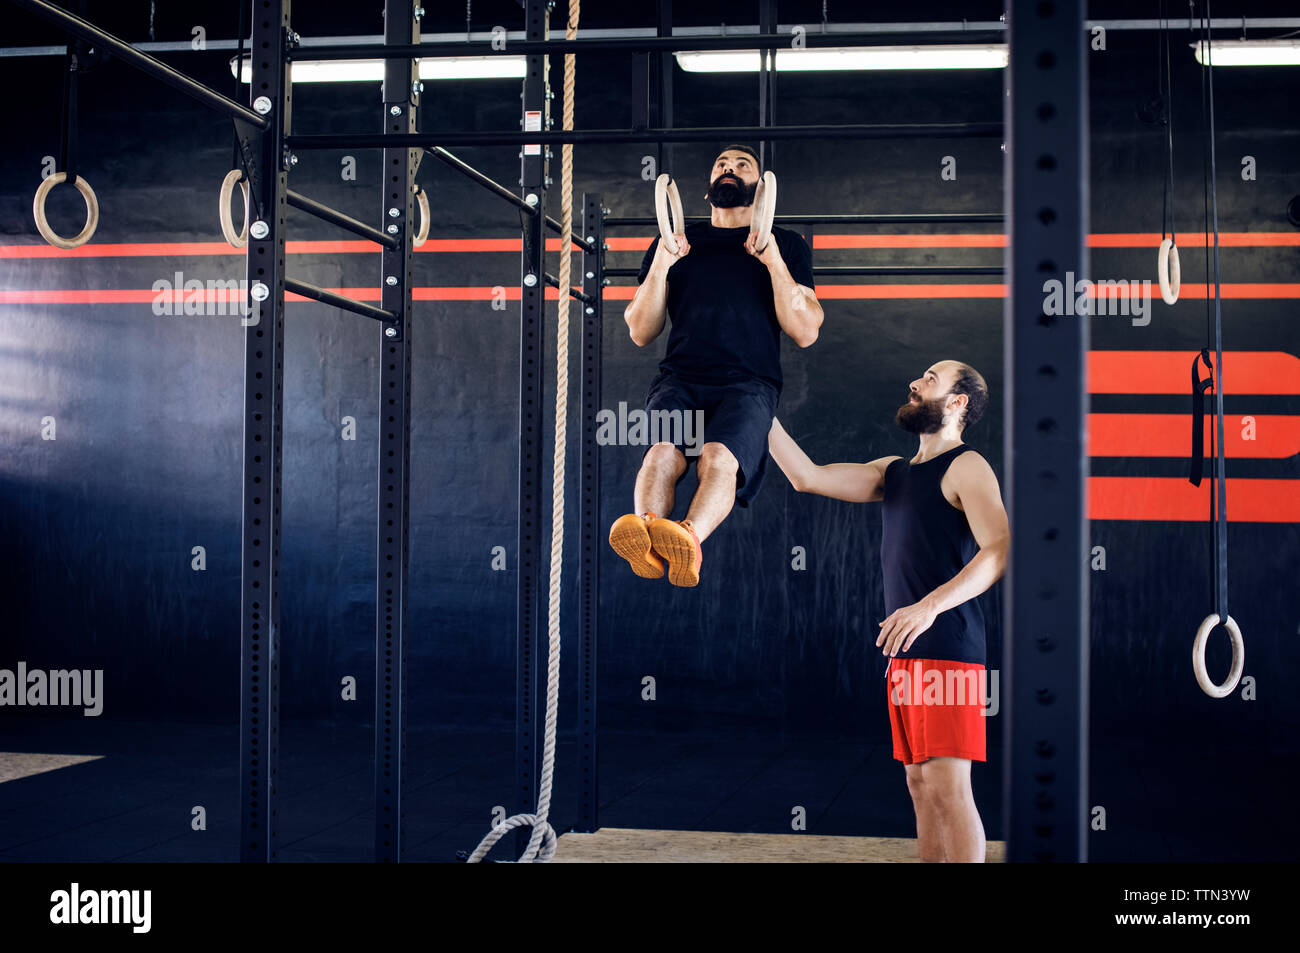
{"type": "Point", "coordinates": [23, 764]}
{"type": "Point", "coordinates": [615, 845]}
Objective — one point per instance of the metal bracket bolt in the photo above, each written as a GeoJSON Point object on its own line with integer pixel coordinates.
{"type": "Point", "coordinates": [393, 229]}
{"type": "Point", "coordinates": [394, 110]}
{"type": "Point", "coordinates": [259, 229]}
{"type": "Point", "coordinates": [531, 198]}
{"type": "Point", "coordinates": [394, 213]}
{"type": "Point", "coordinates": [262, 105]}
{"type": "Point", "coordinates": [259, 291]}
{"type": "Point", "coordinates": [390, 332]}
{"type": "Point", "coordinates": [530, 280]}
{"type": "Point", "coordinates": [391, 281]}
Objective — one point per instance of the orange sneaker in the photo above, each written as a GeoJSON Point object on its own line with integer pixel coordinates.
{"type": "Point", "coordinates": [675, 541]}
{"type": "Point", "coordinates": [631, 540]}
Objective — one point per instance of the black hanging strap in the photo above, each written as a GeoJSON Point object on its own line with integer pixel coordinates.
{"type": "Point", "coordinates": [68, 140]}
{"type": "Point", "coordinates": [1199, 387]}
{"type": "Point", "coordinates": [1214, 332]}
{"type": "Point", "coordinates": [237, 159]}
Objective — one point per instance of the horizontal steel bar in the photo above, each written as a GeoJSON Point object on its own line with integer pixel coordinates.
{"type": "Point", "coordinates": [916, 271]}
{"type": "Point", "coordinates": [496, 188]}
{"type": "Point", "coordinates": [492, 185]}
{"type": "Point", "coordinates": [581, 243]}
{"type": "Point", "coordinates": [831, 271]}
{"type": "Point", "coordinates": [637, 44]}
{"type": "Point", "coordinates": [934, 130]}
{"type": "Point", "coordinates": [922, 30]}
{"type": "Point", "coordinates": [159, 70]}
{"type": "Point", "coordinates": [573, 292]}
{"type": "Point", "coordinates": [912, 218]}
{"type": "Point", "coordinates": [300, 201]}
{"type": "Point", "coordinates": [338, 300]}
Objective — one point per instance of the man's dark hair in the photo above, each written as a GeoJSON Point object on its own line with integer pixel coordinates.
{"type": "Point", "coordinates": [971, 383]}
{"type": "Point", "coordinates": [737, 147]}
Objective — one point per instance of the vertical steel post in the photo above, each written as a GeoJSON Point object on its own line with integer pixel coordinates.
{"type": "Point", "coordinates": [259, 636]}
{"type": "Point", "coordinates": [1046, 648]}
{"type": "Point", "coordinates": [593, 279]}
{"type": "Point", "coordinates": [532, 311]}
{"type": "Point", "coordinates": [400, 98]}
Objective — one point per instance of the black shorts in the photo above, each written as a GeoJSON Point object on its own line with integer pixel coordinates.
{"type": "Point", "coordinates": [737, 415]}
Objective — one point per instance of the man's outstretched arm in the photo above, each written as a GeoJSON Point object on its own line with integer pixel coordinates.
{"type": "Point", "coordinates": [854, 482]}
{"type": "Point", "coordinates": [977, 490]}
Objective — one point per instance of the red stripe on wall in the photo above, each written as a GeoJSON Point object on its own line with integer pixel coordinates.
{"type": "Point", "coordinates": [1169, 435]}
{"type": "Point", "coordinates": [625, 292]}
{"type": "Point", "coordinates": [1170, 372]}
{"type": "Point", "coordinates": [1173, 498]}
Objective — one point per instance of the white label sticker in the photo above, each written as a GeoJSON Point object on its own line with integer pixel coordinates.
{"type": "Point", "coordinates": [532, 123]}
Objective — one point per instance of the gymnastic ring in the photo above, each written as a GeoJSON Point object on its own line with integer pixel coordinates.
{"type": "Point", "coordinates": [223, 209]}
{"type": "Point", "coordinates": [666, 198]}
{"type": "Point", "coordinates": [422, 233]}
{"type": "Point", "coordinates": [43, 224]}
{"type": "Point", "coordinates": [1198, 657]}
{"type": "Point", "coordinates": [1169, 270]}
{"type": "Point", "coordinates": [764, 210]}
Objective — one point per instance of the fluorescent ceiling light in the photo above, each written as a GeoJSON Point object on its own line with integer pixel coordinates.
{"type": "Point", "coordinates": [1250, 52]}
{"type": "Point", "coordinates": [362, 71]}
{"type": "Point", "coordinates": [967, 56]}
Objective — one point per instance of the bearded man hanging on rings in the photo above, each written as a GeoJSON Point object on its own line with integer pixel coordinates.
{"type": "Point", "coordinates": [728, 303]}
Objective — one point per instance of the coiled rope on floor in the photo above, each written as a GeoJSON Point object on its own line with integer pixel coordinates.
{"type": "Point", "coordinates": [541, 845]}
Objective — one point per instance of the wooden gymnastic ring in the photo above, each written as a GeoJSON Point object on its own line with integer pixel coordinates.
{"type": "Point", "coordinates": [223, 209]}
{"type": "Point", "coordinates": [667, 198]}
{"type": "Point", "coordinates": [1169, 270]}
{"type": "Point", "coordinates": [760, 224]}
{"type": "Point", "coordinates": [43, 224]}
{"type": "Point", "coordinates": [422, 233]}
{"type": "Point", "coordinates": [1198, 657]}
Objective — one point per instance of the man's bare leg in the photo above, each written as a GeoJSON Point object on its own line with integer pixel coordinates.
{"type": "Point", "coordinates": [929, 842]}
{"type": "Point", "coordinates": [657, 480]}
{"type": "Point", "coordinates": [947, 782]}
{"type": "Point", "coordinates": [717, 490]}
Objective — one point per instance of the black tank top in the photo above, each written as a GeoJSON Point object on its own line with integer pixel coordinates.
{"type": "Point", "coordinates": [926, 541]}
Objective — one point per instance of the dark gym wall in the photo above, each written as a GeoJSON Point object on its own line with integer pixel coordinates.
{"type": "Point", "coordinates": [98, 526]}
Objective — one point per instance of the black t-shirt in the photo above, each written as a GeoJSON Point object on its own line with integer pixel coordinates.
{"type": "Point", "coordinates": [720, 303]}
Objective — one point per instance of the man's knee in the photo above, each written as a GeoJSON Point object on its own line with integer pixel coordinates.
{"type": "Point", "coordinates": [915, 783]}
{"type": "Point", "coordinates": [716, 458]}
{"type": "Point", "coordinates": [946, 785]}
{"type": "Point", "coordinates": [666, 456]}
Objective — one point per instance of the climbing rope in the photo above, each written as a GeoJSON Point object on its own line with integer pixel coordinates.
{"type": "Point", "coordinates": [541, 845]}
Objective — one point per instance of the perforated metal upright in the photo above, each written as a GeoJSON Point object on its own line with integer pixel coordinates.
{"type": "Point", "coordinates": [593, 280]}
{"type": "Point", "coordinates": [532, 310]}
{"type": "Point", "coordinates": [1046, 624]}
{"type": "Point", "coordinates": [259, 635]}
{"type": "Point", "coordinates": [400, 102]}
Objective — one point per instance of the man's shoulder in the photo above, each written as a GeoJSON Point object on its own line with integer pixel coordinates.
{"type": "Point", "coordinates": [969, 464]}
{"type": "Point", "coordinates": [788, 235]}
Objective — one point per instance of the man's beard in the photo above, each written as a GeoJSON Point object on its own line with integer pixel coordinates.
{"type": "Point", "coordinates": [730, 192]}
{"type": "Point", "coordinates": [921, 416]}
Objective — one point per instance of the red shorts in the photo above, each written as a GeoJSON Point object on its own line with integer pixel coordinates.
{"type": "Point", "coordinates": [936, 709]}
